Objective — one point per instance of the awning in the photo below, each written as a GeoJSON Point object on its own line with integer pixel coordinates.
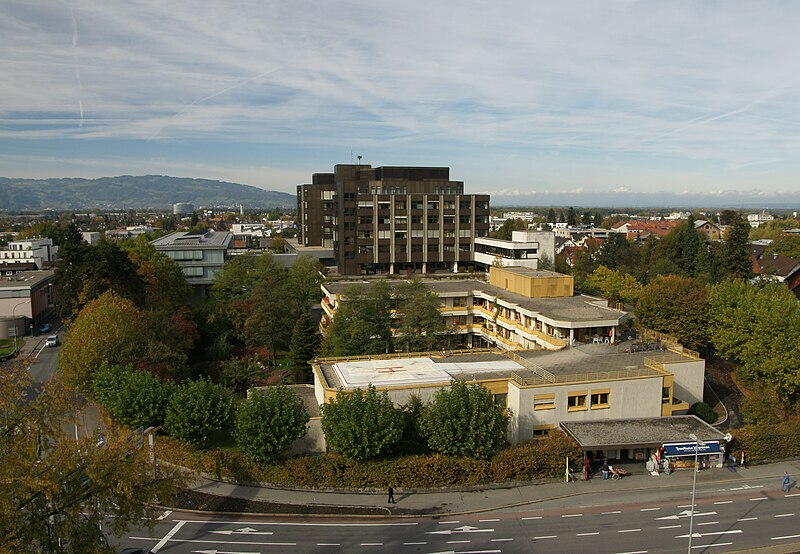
{"type": "Point", "coordinates": [688, 448]}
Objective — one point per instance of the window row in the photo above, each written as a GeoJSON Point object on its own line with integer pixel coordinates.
{"type": "Point", "coordinates": [576, 401]}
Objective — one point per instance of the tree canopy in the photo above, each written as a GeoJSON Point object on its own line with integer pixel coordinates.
{"type": "Point", "coordinates": [269, 421]}
{"type": "Point", "coordinates": [199, 411]}
{"type": "Point", "coordinates": [418, 320]}
{"type": "Point", "coordinates": [361, 424]}
{"type": "Point", "coordinates": [676, 306]}
{"type": "Point", "coordinates": [615, 286]}
{"type": "Point", "coordinates": [464, 421]}
{"type": "Point", "coordinates": [362, 324]}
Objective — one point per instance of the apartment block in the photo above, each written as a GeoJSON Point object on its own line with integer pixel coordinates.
{"type": "Point", "coordinates": [392, 220]}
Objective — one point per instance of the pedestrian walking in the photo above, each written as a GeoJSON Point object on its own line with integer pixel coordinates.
{"type": "Point", "coordinates": [786, 481]}
{"type": "Point", "coordinates": [741, 460]}
{"type": "Point", "coordinates": [391, 495]}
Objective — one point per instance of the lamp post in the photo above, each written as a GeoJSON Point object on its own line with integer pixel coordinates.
{"type": "Point", "coordinates": [14, 319]}
{"type": "Point", "coordinates": [697, 444]}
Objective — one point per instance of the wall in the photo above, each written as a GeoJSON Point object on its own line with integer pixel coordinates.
{"type": "Point", "coordinates": [689, 380]}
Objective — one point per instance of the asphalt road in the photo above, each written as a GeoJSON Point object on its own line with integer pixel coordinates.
{"type": "Point", "coordinates": [727, 518]}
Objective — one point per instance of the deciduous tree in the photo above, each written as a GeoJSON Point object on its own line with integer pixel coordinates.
{"type": "Point", "coordinates": [464, 421]}
{"type": "Point", "coordinates": [133, 397]}
{"type": "Point", "coordinates": [418, 320]}
{"type": "Point", "coordinates": [362, 324]}
{"type": "Point", "coordinates": [615, 286]}
{"type": "Point", "coordinates": [736, 259]}
{"type": "Point", "coordinates": [269, 421]}
{"type": "Point", "coordinates": [199, 411]}
{"type": "Point", "coordinates": [676, 306]}
{"type": "Point", "coordinates": [361, 424]}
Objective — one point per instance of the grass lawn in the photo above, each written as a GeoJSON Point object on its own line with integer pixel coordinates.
{"type": "Point", "coordinates": [7, 346]}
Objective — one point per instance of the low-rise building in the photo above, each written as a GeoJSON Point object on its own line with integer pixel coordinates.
{"type": "Point", "coordinates": [525, 249]}
{"type": "Point", "coordinates": [37, 251]}
{"type": "Point", "coordinates": [25, 300]}
{"type": "Point", "coordinates": [200, 254]}
{"type": "Point", "coordinates": [756, 220]}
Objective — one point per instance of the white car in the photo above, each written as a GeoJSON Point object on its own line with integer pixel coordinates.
{"type": "Point", "coordinates": [52, 340]}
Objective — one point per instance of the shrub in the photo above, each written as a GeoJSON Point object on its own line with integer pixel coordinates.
{"type": "Point", "coordinates": [134, 398]}
{"type": "Point", "coordinates": [703, 411]}
{"type": "Point", "coordinates": [767, 442]}
{"type": "Point", "coordinates": [198, 411]}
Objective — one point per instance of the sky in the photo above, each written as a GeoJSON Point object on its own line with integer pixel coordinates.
{"type": "Point", "coordinates": [560, 103]}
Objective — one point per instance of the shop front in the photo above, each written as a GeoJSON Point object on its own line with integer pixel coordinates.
{"type": "Point", "coordinates": [682, 455]}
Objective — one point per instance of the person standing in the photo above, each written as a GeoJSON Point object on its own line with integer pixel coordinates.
{"type": "Point", "coordinates": [741, 460]}
{"type": "Point", "coordinates": [786, 481]}
{"type": "Point", "coordinates": [605, 470]}
{"type": "Point", "coordinates": [391, 495]}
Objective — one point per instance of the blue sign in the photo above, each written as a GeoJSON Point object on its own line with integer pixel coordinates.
{"type": "Point", "coordinates": [688, 448]}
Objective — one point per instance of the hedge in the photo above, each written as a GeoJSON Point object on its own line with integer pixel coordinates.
{"type": "Point", "coordinates": [534, 460]}
{"type": "Point", "coordinates": [768, 442]}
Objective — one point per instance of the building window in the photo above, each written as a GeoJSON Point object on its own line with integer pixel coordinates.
{"type": "Point", "coordinates": [400, 204]}
{"type": "Point", "coordinates": [433, 233]}
{"type": "Point", "coordinates": [400, 220]}
{"type": "Point", "coordinates": [541, 431]}
{"type": "Point", "coordinates": [327, 195]}
{"type": "Point", "coordinates": [666, 394]}
{"type": "Point", "coordinates": [433, 204]}
{"type": "Point", "coordinates": [449, 219]}
{"type": "Point", "coordinates": [384, 234]}
{"type": "Point", "coordinates": [433, 220]}
{"type": "Point", "coordinates": [576, 401]}
{"type": "Point", "coordinates": [500, 399]}
{"type": "Point", "coordinates": [600, 399]}
{"type": "Point", "coordinates": [544, 402]}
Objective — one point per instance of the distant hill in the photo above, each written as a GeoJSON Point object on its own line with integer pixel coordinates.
{"type": "Point", "coordinates": [134, 192]}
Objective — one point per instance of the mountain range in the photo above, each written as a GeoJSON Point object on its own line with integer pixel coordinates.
{"type": "Point", "coordinates": [134, 192]}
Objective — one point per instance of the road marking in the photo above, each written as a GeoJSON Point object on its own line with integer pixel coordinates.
{"type": "Point", "coordinates": [299, 524]}
{"type": "Point", "coordinates": [165, 515]}
{"type": "Point", "coordinates": [670, 527]}
{"type": "Point", "coordinates": [546, 537]}
{"type": "Point", "coordinates": [684, 506]}
{"type": "Point", "coordinates": [448, 522]}
{"type": "Point", "coordinates": [784, 515]}
{"type": "Point", "coordinates": [462, 529]}
{"type": "Point", "coordinates": [457, 542]}
{"type": "Point", "coordinates": [687, 513]}
{"type": "Point", "coordinates": [587, 534]}
{"type": "Point", "coordinates": [628, 530]}
{"type": "Point", "coordinates": [371, 544]}
{"type": "Point", "coordinates": [414, 543]}
{"type": "Point", "coordinates": [487, 520]}
{"type": "Point", "coordinates": [759, 498]}
{"type": "Point", "coordinates": [709, 523]}
{"type": "Point", "coordinates": [710, 545]}
{"type": "Point", "coordinates": [790, 495]}
{"type": "Point", "coordinates": [328, 544]}
{"type": "Point", "coordinates": [168, 536]}
{"type": "Point", "coordinates": [747, 519]}
{"type": "Point", "coordinates": [634, 552]}
{"type": "Point", "coordinates": [649, 509]}
{"type": "Point", "coordinates": [571, 515]}
{"type": "Point", "coordinates": [500, 540]}
{"type": "Point", "coordinates": [784, 537]}
{"type": "Point", "coordinates": [745, 487]}
{"type": "Point", "coordinates": [714, 533]}
{"type": "Point", "coordinates": [608, 513]}
{"type": "Point", "coordinates": [242, 531]}
{"type": "Point", "coordinates": [724, 502]}
{"type": "Point", "coordinates": [533, 517]}
{"type": "Point", "coordinates": [219, 542]}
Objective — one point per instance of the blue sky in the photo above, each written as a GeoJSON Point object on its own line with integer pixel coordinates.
{"type": "Point", "coordinates": [529, 101]}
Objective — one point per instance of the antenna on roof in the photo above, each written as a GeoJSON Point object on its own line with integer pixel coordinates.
{"type": "Point", "coordinates": [359, 159]}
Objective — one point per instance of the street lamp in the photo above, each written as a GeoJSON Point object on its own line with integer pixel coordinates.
{"type": "Point", "coordinates": [697, 444]}
{"type": "Point", "coordinates": [14, 319]}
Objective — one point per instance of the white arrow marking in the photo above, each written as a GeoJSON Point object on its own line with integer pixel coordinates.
{"type": "Point", "coordinates": [688, 513]}
{"type": "Point", "coordinates": [243, 531]}
{"type": "Point", "coordinates": [462, 529]}
{"type": "Point", "coordinates": [696, 535]}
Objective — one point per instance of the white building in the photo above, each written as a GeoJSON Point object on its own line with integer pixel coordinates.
{"type": "Point", "coordinates": [39, 251]}
{"type": "Point", "coordinates": [525, 249]}
{"type": "Point", "coordinates": [756, 220]}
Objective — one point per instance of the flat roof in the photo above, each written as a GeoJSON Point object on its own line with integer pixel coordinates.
{"type": "Point", "coordinates": [26, 279]}
{"type": "Point", "coordinates": [577, 364]}
{"type": "Point", "coordinates": [575, 309]}
{"type": "Point", "coordinates": [639, 432]}
{"type": "Point", "coordinates": [193, 239]}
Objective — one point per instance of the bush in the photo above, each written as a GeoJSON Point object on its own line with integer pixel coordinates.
{"type": "Point", "coordinates": [268, 422]}
{"type": "Point", "coordinates": [198, 411]}
{"type": "Point", "coordinates": [134, 398]}
{"type": "Point", "coordinates": [703, 411]}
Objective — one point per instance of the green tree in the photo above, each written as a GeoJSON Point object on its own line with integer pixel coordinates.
{"type": "Point", "coordinates": [551, 215]}
{"type": "Point", "coordinates": [304, 280]}
{"type": "Point", "coordinates": [238, 374]}
{"type": "Point", "coordinates": [361, 425]}
{"type": "Point", "coordinates": [676, 306]}
{"type": "Point", "coordinates": [57, 491]}
{"type": "Point", "coordinates": [269, 421]}
{"type": "Point", "coordinates": [572, 217]}
{"type": "Point", "coordinates": [464, 421]}
{"type": "Point", "coordinates": [362, 324]}
{"type": "Point", "coordinates": [303, 347]}
{"type": "Point", "coordinates": [736, 260]}
{"type": "Point", "coordinates": [419, 322]}
{"type": "Point", "coordinates": [545, 263]}
{"type": "Point", "coordinates": [134, 398]}
{"type": "Point", "coordinates": [586, 218]}
{"type": "Point", "coordinates": [785, 245]}
{"type": "Point", "coordinates": [199, 411]}
{"type": "Point", "coordinates": [165, 284]}
{"type": "Point", "coordinates": [615, 286]}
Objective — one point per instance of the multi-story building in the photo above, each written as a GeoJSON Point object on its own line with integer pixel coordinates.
{"type": "Point", "coordinates": [517, 309]}
{"type": "Point", "coordinates": [392, 220]}
{"type": "Point", "coordinates": [38, 253]}
{"type": "Point", "coordinates": [200, 254]}
{"type": "Point", "coordinates": [756, 220]}
{"type": "Point", "coordinates": [525, 249]}
{"type": "Point", "coordinates": [25, 301]}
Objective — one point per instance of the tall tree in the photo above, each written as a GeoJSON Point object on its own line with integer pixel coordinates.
{"type": "Point", "coordinates": [165, 284]}
{"type": "Point", "coordinates": [737, 264]}
{"type": "Point", "coordinates": [362, 324]}
{"type": "Point", "coordinates": [361, 424]}
{"type": "Point", "coordinates": [199, 411]}
{"type": "Point", "coordinates": [269, 421]}
{"type": "Point", "coordinates": [676, 306]}
{"type": "Point", "coordinates": [572, 217]}
{"type": "Point", "coordinates": [785, 245]}
{"type": "Point", "coordinates": [615, 286]}
{"type": "Point", "coordinates": [551, 215]}
{"type": "Point", "coordinates": [304, 280]}
{"type": "Point", "coordinates": [303, 347]}
{"type": "Point", "coordinates": [464, 421]}
{"type": "Point", "coordinates": [418, 320]}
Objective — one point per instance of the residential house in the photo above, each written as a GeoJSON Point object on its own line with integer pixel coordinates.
{"type": "Point", "coordinates": [200, 254]}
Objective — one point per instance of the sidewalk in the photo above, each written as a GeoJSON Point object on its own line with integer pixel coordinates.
{"type": "Point", "coordinates": [452, 501]}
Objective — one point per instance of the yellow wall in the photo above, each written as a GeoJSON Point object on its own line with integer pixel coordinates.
{"type": "Point", "coordinates": [536, 285]}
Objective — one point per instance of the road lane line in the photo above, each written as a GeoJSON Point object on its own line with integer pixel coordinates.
{"type": "Point", "coordinates": [533, 517]}
{"type": "Point", "coordinates": [328, 544]}
{"type": "Point", "coordinates": [669, 527]}
{"type": "Point", "coordinates": [457, 542]}
{"type": "Point", "coordinates": [790, 495]}
{"type": "Point", "coordinates": [587, 534]}
{"type": "Point", "coordinates": [649, 509]}
{"type": "Point", "coordinates": [708, 523]}
{"type": "Point", "coordinates": [487, 520]}
{"type": "Point", "coordinates": [747, 519]}
{"type": "Point", "coordinates": [784, 537]}
{"type": "Point", "coordinates": [414, 543]}
{"type": "Point", "coordinates": [608, 513]}
{"type": "Point", "coordinates": [628, 530]}
{"type": "Point", "coordinates": [500, 540]}
{"type": "Point", "coordinates": [300, 524]}
{"type": "Point", "coordinates": [759, 498]}
{"type": "Point", "coordinates": [633, 552]}
{"type": "Point", "coordinates": [448, 522]}
{"type": "Point", "coordinates": [784, 515]}
{"type": "Point", "coordinates": [571, 515]}
{"type": "Point", "coordinates": [371, 544]}
{"type": "Point", "coordinates": [168, 536]}
{"type": "Point", "coordinates": [710, 545]}
{"type": "Point", "coordinates": [724, 502]}
{"type": "Point", "coordinates": [546, 537]}
{"type": "Point", "coordinates": [684, 506]}
{"type": "Point", "coordinates": [165, 515]}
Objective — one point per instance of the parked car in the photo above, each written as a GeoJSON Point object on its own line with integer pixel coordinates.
{"type": "Point", "coordinates": [45, 328]}
{"type": "Point", "coordinates": [52, 340]}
